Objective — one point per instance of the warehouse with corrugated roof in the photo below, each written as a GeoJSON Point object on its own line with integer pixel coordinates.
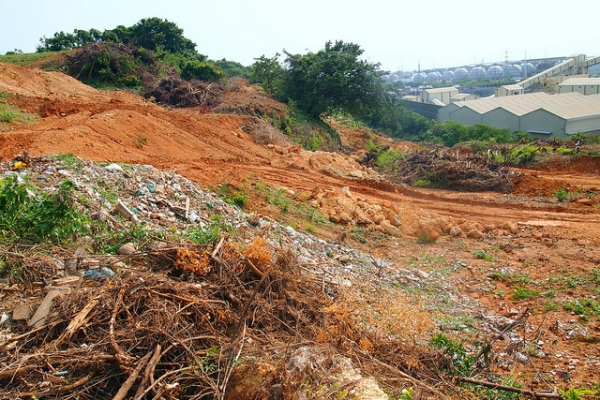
{"type": "Point", "coordinates": [580, 85]}
{"type": "Point", "coordinates": [541, 115]}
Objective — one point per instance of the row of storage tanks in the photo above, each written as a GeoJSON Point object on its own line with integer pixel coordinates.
{"type": "Point", "coordinates": [494, 72]}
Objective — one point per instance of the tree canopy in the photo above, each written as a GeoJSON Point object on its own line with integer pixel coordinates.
{"type": "Point", "coordinates": [150, 33]}
{"type": "Point", "coordinates": [334, 79]}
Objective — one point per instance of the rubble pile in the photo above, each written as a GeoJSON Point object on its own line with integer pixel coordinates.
{"type": "Point", "coordinates": [321, 161]}
{"type": "Point", "coordinates": [162, 315]}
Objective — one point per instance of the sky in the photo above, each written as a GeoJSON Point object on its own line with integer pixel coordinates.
{"type": "Point", "coordinates": [397, 34]}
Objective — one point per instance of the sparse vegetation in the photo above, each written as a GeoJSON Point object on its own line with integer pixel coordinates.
{"type": "Point", "coordinates": [561, 194]}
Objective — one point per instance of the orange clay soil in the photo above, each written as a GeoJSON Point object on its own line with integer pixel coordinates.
{"type": "Point", "coordinates": [556, 242]}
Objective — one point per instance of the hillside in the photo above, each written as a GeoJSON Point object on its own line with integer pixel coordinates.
{"type": "Point", "coordinates": [462, 264]}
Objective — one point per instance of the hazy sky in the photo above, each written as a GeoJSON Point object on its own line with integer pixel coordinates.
{"type": "Point", "coordinates": [396, 33]}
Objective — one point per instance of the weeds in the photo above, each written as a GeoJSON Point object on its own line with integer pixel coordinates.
{"type": "Point", "coordinates": [140, 141]}
{"type": "Point", "coordinates": [279, 199]}
{"type": "Point", "coordinates": [522, 293]}
{"type": "Point", "coordinates": [460, 362]}
{"type": "Point", "coordinates": [584, 307]}
{"type": "Point", "coordinates": [483, 255]}
{"type": "Point", "coordinates": [561, 194]}
{"type": "Point", "coordinates": [231, 195]}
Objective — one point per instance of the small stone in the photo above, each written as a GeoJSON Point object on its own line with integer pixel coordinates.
{"type": "Point", "coordinates": [114, 168]}
{"type": "Point", "coordinates": [127, 249]}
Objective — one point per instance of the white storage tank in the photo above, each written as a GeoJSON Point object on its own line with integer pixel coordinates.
{"type": "Point", "coordinates": [513, 71]}
{"type": "Point", "coordinates": [494, 72]}
{"type": "Point", "coordinates": [477, 73]}
{"type": "Point", "coordinates": [460, 73]}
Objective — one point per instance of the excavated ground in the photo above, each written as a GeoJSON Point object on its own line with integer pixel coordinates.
{"type": "Point", "coordinates": [553, 242]}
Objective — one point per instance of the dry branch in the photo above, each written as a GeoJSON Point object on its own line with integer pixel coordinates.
{"type": "Point", "coordinates": [130, 381]}
{"type": "Point", "coordinates": [513, 389]}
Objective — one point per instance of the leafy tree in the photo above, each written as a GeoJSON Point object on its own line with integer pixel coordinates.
{"type": "Point", "coordinates": [392, 117]}
{"type": "Point", "coordinates": [204, 71]}
{"type": "Point", "coordinates": [152, 33]}
{"type": "Point", "coordinates": [232, 68]}
{"type": "Point", "coordinates": [60, 41]}
{"type": "Point", "coordinates": [266, 72]}
{"type": "Point", "coordinates": [334, 79]}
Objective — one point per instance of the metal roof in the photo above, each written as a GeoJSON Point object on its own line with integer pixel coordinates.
{"type": "Point", "coordinates": [580, 82]}
{"type": "Point", "coordinates": [567, 105]}
{"type": "Point", "coordinates": [513, 87]}
{"type": "Point", "coordinates": [442, 90]}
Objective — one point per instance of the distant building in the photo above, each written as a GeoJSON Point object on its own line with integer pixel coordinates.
{"type": "Point", "coordinates": [539, 114]}
{"type": "Point", "coordinates": [440, 96]}
{"type": "Point", "coordinates": [509, 90]}
{"type": "Point", "coordinates": [580, 85]}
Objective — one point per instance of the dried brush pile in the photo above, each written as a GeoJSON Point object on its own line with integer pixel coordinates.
{"type": "Point", "coordinates": [179, 93]}
{"type": "Point", "coordinates": [437, 168]}
{"type": "Point", "coordinates": [174, 326]}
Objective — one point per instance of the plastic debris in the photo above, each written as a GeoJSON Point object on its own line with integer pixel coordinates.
{"type": "Point", "coordinates": [98, 273]}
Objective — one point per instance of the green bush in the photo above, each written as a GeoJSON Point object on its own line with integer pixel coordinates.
{"type": "Point", "coordinates": [561, 194]}
{"type": "Point", "coordinates": [31, 217]}
{"type": "Point", "coordinates": [389, 160]}
{"type": "Point", "coordinates": [204, 71]}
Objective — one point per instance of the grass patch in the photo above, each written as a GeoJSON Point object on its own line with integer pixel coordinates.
{"type": "Point", "coordinates": [231, 194]}
{"type": "Point", "coordinates": [25, 59]}
{"type": "Point", "coordinates": [10, 114]}
{"type": "Point", "coordinates": [522, 293]}
{"type": "Point", "coordinates": [483, 255]}
{"type": "Point", "coordinates": [584, 307]}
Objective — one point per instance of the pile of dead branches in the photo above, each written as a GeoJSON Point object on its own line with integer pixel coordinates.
{"type": "Point", "coordinates": [174, 332]}
{"type": "Point", "coordinates": [179, 93]}
{"type": "Point", "coordinates": [438, 168]}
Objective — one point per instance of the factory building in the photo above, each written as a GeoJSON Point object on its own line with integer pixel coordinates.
{"type": "Point", "coordinates": [581, 85]}
{"type": "Point", "coordinates": [539, 114]}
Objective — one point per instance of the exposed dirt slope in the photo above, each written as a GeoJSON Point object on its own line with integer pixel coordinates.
{"type": "Point", "coordinates": [533, 233]}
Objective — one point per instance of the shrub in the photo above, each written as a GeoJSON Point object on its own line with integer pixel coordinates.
{"type": "Point", "coordinates": [25, 215]}
{"type": "Point", "coordinates": [389, 160]}
{"type": "Point", "coordinates": [204, 71]}
{"type": "Point", "coordinates": [561, 194]}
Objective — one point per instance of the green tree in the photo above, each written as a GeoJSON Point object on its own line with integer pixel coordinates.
{"type": "Point", "coordinates": [152, 33]}
{"type": "Point", "coordinates": [232, 68]}
{"type": "Point", "coordinates": [267, 72]}
{"type": "Point", "coordinates": [204, 71]}
{"type": "Point", "coordinates": [60, 41]}
{"type": "Point", "coordinates": [334, 79]}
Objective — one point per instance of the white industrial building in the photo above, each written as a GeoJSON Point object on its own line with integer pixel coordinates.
{"type": "Point", "coordinates": [540, 115]}
{"type": "Point", "coordinates": [581, 85]}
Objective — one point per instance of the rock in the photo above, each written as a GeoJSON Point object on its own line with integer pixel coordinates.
{"type": "Point", "coordinates": [510, 226]}
{"type": "Point", "coordinates": [346, 192]}
{"type": "Point", "coordinates": [585, 202]}
{"type": "Point", "coordinates": [294, 149]}
{"type": "Point", "coordinates": [455, 231]}
{"type": "Point", "coordinates": [389, 228]}
{"type": "Point", "coordinates": [474, 234]}
{"type": "Point", "coordinates": [429, 233]}
{"type": "Point", "coordinates": [345, 217]}
{"type": "Point", "coordinates": [114, 168]}
{"type": "Point", "coordinates": [250, 380]}
{"type": "Point", "coordinates": [127, 249]}
{"type": "Point", "coordinates": [22, 312]}
{"type": "Point", "coordinates": [367, 388]}
{"type": "Point", "coordinates": [362, 217]}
